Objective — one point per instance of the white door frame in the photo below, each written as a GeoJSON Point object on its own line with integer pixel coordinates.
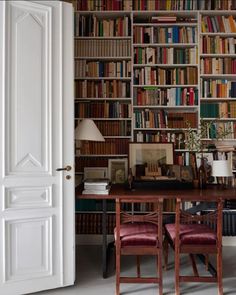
{"type": "Point", "coordinates": [35, 199]}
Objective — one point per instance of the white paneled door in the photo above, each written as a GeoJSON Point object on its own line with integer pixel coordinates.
{"type": "Point", "coordinates": [36, 138]}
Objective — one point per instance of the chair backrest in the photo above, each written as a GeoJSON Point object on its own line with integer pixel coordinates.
{"type": "Point", "coordinates": [151, 214]}
{"type": "Point", "coordinates": [213, 219]}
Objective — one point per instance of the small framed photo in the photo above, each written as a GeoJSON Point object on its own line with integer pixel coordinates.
{"type": "Point", "coordinates": [118, 170]}
{"type": "Point", "coordinates": [154, 154]}
{"type": "Point", "coordinates": [95, 172]}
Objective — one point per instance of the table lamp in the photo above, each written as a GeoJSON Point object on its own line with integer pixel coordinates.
{"type": "Point", "coordinates": [88, 131]}
{"type": "Point", "coordinates": [221, 168]}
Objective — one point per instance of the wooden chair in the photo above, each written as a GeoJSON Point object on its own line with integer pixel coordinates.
{"type": "Point", "coordinates": [138, 234]}
{"type": "Point", "coordinates": [196, 234]}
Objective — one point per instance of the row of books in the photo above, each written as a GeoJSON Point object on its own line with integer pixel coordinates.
{"type": "Point", "coordinates": [218, 23]}
{"type": "Point", "coordinates": [102, 5]}
{"type": "Point", "coordinates": [171, 76]}
{"type": "Point", "coordinates": [102, 47]}
{"type": "Point", "coordinates": [115, 109]}
{"type": "Point", "coordinates": [221, 65]}
{"type": "Point", "coordinates": [229, 222]}
{"type": "Point", "coordinates": [84, 68]}
{"type": "Point", "coordinates": [102, 89]}
{"type": "Point", "coordinates": [127, 5]}
{"type": "Point", "coordinates": [169, 35]}
{"type": "Point", "coordinates": [218, 88]}
{"type": "Point", "coordinates": [165, 55]}
{"type": "Point", "coordinates": [187, 96]}
{"type": "Point", "coordinates": [111, 146]}
{"type": "Point", "coordinates": [183, 5]}
{"type": "Point", "coordinates": [177, 138]}
{"type": "Point", "coordinates": [91, 223]}
{"type": "Point", "coordinates": [163, 119]}
{"type": "Point", "coordinates": [92, 26]}
{"type": "Point", "coordinates": [218, 110]}
{"type": "Point", "coordinates": [217, 128]}
{"type": "Point", "coordinates": [114, 128]}
{"type": "Point", "coordinates": [218, 44]}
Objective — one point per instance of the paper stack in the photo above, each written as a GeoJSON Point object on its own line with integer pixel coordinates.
{"type": "Point", "coordinates": [96, 187]}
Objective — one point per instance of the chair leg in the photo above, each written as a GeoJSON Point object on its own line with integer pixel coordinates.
{"type": "Point", "coordinates": [177, 270]}
{"type": "Point", "coordinates": [219, 271]}
{"type": "Point", "coordinates": [117, 273]}
{"type": "Point", "coordinates": [159, 266]}
{"type": "Point", "coordinates": [165, 250]}
{"type": "Point", "coordinates": [138, 266]}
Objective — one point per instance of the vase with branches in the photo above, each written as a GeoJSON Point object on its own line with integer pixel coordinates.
{"type": "Point", "coordinates": [196, 142]}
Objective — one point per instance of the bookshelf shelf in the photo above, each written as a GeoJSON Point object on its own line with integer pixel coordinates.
{"type": "Point", "coordinates": [165, 44]}
{"type": "Point", "coordinates": [103, 78]}
{"type": "Point", "coordinates": [148, 41]}
{"type": "Point", "coordinates": [218, 34]}
{"type": "Point", "coordinates": [187, 107]}
{"type": "Point", "coordinates": [218, 76]}
{"type": "Point", "coordinates": [108, 118]}
{"type": "Point", "coordinates": [103, 38]}
{"type": "Point", "coordinates": [217, 99]}
{"type": "Point", "coordinates": [217, 55]}
{"type": "Point", "coordinates": [164, 65]}
{"type": "Point", "coordinates": [166, 86]}
{"type": "Point", "coordinates": [164, 129]}
{"type": "Point", "coordinates": [165, 24]}
{"type": "Point", "coordinates": [77, 99]}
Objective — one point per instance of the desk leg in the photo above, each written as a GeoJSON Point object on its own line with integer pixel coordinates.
{"type": "Point", "coordinates": [104, 239]}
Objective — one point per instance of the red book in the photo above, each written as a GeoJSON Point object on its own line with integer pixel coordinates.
{"type": "Point", "coordinates": [191, 96]}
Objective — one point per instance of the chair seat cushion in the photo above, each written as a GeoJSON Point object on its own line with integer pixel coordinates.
{"type": "Point", "coordinates": [192, 234]}
{"type": "Point", "coordinates": [138, 234]}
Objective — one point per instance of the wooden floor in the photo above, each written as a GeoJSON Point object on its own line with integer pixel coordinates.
{"type": "Point", "coordinates": [90, 282]}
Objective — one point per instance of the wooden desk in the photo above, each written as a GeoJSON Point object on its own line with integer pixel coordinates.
{"type": "Point", "coordinates": [211, 194]}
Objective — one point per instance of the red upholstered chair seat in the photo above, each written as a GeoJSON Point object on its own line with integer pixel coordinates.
{"type": "Point", "coordinates": [138, 234]}
{"type": "Point", "coordinates": [192, 234]}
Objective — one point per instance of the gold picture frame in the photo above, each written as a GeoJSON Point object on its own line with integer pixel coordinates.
{"type": "Point", "coordinates": [141, 153]}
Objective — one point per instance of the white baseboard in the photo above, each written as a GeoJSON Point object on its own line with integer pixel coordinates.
{"type": "Point", "coordinates": [97, 240]}
{"type": "Point", "coordinates": [229, 241]}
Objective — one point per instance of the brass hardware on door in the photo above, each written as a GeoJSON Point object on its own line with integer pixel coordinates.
{"type": "Point", "coordinates": [68, 177]}
{"type": "Point", "coordinates": [67, 168]}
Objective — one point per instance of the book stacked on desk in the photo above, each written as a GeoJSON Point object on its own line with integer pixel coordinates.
{"type": "Point", "coordinates": [96, 187]}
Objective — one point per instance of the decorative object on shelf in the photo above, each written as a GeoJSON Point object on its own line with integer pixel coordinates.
{"type": "Point", "coordinates": [130, 179]}
{"type": "Point", "coordinates": [118, 170]}
{"type": "Point", "coordinates": [202, 176]}
{"type": "Point", "coordinates": [222, 168]}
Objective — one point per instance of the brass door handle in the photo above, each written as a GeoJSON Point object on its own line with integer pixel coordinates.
{"type": "Point", "coordinates": [67, 168]}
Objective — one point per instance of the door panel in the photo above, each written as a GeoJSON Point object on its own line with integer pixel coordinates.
{"type": "Point", "coordinates": [29, 60]}
{"type": "Point", "coordinates": [36, 135]}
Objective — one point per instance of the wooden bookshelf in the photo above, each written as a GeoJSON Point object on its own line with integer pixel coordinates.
{"type": "Point", "coordinates": [217, 71]}
{"type": "Point", "coordinates": [144, 68]}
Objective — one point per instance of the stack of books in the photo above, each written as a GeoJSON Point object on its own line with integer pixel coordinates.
{"type": "Point", "coordinates": [96, 186]}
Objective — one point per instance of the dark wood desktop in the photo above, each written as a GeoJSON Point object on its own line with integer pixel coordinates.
{"type": "Point", "coordinates": [210, 194]}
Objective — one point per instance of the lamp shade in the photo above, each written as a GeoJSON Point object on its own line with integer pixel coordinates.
{"type": "Point", "coordinates": [221, 168]}
{"type": "Point", "coordinates": [87, 130]}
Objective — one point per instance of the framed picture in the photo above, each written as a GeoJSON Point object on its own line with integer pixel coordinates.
{"type": "Point", "coordinates": [95, 172]}
{"type": "Point", "coordinates": [208, 160]}
{"type": "Point", "coordinates": [118, 170]}
{"type": "Point", "coordinates": [150, 154]}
